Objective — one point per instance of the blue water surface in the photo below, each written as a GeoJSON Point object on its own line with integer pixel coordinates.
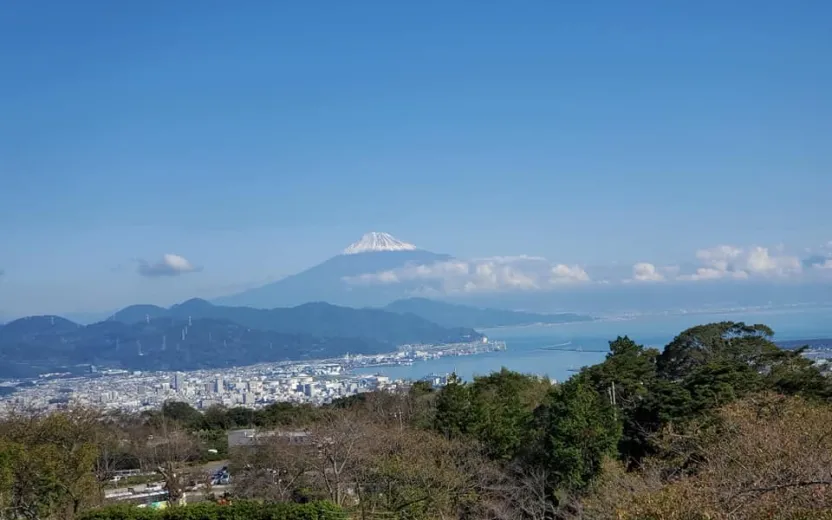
{"type": "Point", "coordinates": [528, 348]}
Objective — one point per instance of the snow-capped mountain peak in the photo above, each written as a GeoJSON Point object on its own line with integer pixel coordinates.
{"type": "Point", "coordinates": [375, 241]}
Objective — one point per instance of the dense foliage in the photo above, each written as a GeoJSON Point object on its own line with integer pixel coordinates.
{"type": "Point", "coordinates": [241, 510]}
{"type": "Point", "coordinates": [721, 424]}
{"type": "Point", "coordinates": [220, 418]}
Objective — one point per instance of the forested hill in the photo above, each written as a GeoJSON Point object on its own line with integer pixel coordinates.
{"type": "Point", "coordinates": [197, 335]}
{"type": "Point", "coordinates": [467, 316]}
{"type": "Point", "coordinates": [35, 345]}
{"type": "Point", "coordinates": [316, 319]}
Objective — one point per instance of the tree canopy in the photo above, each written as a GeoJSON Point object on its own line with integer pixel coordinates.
{"type": "Point", "coordinates": [643, 434]}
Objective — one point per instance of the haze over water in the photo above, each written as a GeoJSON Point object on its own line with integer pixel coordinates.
{"type": "Point", "coordinates": [527, 346]}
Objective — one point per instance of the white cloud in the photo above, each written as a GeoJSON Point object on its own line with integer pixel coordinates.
{"type": "Point", "coordinates": [760, 261]}
{"type": "Point", "coordinates": [169, 265]}
{"type": "Point", "coordinates": [435, 271]}
{"type": "Point", "coordinates": [519, 273]}
{"type": "Point", "coordinates": [531, 273]}
{"type": "Point", "coordinates": [721, 258]}
{"type": "Point", "coordinates": [817, 259]}
{"type": "Point", "coordinates": [568, 274]}
{"type": "Point", "coordinates": [826, 264]}
{"type": "Point", "coordinates": [731, 262]}
{"type": "Point", "coordinates": [711, 273]}
{"type": "Point", "coordinates": [719, 262]}
{"type": "Point", "coordinates": [646, 272]}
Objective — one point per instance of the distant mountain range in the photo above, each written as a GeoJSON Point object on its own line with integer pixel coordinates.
{"type": "Point", "coordinates": [438, 321]}
{"type": "Point", "coordinates": [41, 344]}
{"type": "Point", "coordinates": [330, 281]}
{"type": "Point", "coordinates": [315, 319]}
{"type": "Point", "coordinates": [466, 316]}
{"type": "Point", "coordinates": [197, 334]}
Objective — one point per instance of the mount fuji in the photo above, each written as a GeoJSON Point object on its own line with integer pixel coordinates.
{"type": "Point", "coordinates": [374, 242]}
{"type": "Point", "coordinates": [329, 281]}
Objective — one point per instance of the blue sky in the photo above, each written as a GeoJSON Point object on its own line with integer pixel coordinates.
{"type": "Point", "coordinates": [257, 139]}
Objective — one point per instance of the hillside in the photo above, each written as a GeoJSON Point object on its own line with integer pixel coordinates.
{"type": "Point", "coordinates": [466, 316]}
{"type": "Point", "coordinates": [31, 346]}
{"type": "Point", "coordinates": [197, 334]}
{"type": "Point", "coordinates": [315, 319]}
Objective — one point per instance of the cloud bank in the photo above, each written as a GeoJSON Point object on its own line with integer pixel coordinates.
{"type": "Point", "coordinates": [534, 273]}
{"type": "Point", "coordinates": [646, 272]}
{"type": "Point", "coordinates": [481, 275]}
{"type": "Point", "coordinates": [730, 262]}
{"type": "Point", "coordinates": [169, 265]}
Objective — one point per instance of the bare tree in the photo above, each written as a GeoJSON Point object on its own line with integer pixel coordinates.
{"type": "Point", "coordinates": [520, 492]}
{"type": "Point", "coordinates": [273, 470]}
{"type": "Point", "coordinates": [167, 450]}
{"type": "Point", "coordinates": [419, 474]}
{"type": "Point", "coordinates": [767, 455]}
{"type": "Point", "coordinates": [335, 444]}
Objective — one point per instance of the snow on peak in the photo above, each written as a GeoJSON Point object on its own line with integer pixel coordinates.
{"type": "Point", "coordinates": [376, 241]}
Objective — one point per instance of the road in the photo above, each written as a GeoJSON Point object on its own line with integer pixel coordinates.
{"type": "Point", "coordinates": [139, 489]}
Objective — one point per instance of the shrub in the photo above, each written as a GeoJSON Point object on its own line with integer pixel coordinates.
{"type": "Point", "coordinates": [241, 510]}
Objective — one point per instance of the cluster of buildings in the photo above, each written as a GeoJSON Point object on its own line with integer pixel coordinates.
{"type": "Point", "coordinates": [255, 386]}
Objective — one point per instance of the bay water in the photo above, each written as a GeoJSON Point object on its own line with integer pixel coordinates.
{"type": "Point", "coordinates": [556, 351]}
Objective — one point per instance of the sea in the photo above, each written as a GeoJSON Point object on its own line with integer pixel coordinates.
{"type": "Point", "coordinates": [558, 351]}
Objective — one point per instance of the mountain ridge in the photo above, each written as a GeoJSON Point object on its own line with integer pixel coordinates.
{"type": "Point", "coordinates": [477, 317]}
{"type": "Point", "coordinates": [319, 319]}
{"type": "Point", "coordinates": [158, 344]}
{"type": "Point", "coordinates": [197, 334]}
